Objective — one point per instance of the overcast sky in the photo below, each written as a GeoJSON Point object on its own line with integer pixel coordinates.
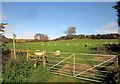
{"type": "Point", "coordinates": [26, 19]}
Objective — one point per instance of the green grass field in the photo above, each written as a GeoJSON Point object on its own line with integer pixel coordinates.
{"type": "Point", "coordinates": [70, 46]}
{"type": "Point", "coordinates": [76, 46]}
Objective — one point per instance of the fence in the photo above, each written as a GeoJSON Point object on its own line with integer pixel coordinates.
{"type": "Point", "coordinates": [30, 55]}
{"type": "Point", "coordinates": [77, 65]}
{"type": "Point", "coordinates": [81, 66]}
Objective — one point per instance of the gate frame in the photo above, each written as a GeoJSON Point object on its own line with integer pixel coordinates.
{"type": "Point", "coordinates": [75, 75]}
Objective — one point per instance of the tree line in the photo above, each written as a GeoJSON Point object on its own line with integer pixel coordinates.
{"type": "Point", "coordinates": [93, 36]}
{"type": "Point", "coordinates": [41, 37]}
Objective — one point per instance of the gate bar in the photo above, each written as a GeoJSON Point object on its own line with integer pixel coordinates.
{"type": "Point", "coordinates": [96, 66]}
{"type": "Point", "coordinates": [61, 61]}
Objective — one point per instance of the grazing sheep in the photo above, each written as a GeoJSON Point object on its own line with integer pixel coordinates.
{"type": "Point", "coordinates": [105, 43]}
{"type": "Point", "coordinates": [39, 53]}
{"type": "Point", "coordinates": [56, 53]}
{"type": "Point", "coordinates": [68, 44]}
{"type": "Point", "coordinates": [87, 44]}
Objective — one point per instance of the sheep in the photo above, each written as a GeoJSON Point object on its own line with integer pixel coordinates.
{"type": "Point", "coordinates": [105, 43]}
{"type": "Point", "coordinates": [56, 53]}
{"type": "Point", "coordinates": [87, 44]}
{"type": "Point", "coordinates": [39, 54]}
{"type": "Point", "coordinates": [68, 44]}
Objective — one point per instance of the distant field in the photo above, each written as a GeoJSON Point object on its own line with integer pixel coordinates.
{"type": "Point", "coordinates": [76, 46]}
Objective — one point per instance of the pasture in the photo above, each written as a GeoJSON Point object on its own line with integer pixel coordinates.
{"type": "Point", "coordinates": [67, 46]}
{"type": "Point", "coordinates": [72, 46]}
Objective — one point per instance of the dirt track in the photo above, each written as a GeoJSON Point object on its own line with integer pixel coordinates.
{"type": "Point", "coordinates": [68, 68]}
{"type": "Point", "coordinates": [101, 58]}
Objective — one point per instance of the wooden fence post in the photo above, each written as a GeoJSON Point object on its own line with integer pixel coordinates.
{"type": "Point", "coordinates": [28, 54]}
{"type": "Point", "coordinates": [44, 59]}
{"type": "Point", "coordinates": [12, 54]}
{"type": "Point", "coordinates": [74, 65]}
{"type": "Point", "coordinates": [19, 51]}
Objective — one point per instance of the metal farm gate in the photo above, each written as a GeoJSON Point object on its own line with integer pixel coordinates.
{"type": "Point", "coordinates": [80, 65]}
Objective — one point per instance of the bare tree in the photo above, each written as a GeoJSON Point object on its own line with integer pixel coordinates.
{"type": "Point", "coordinates": [70, 31]}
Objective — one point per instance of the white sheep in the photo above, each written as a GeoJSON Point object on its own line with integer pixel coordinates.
{"type": "Point", "coordinates": [68, 44]}
{"type": "Point", "coordinates": [38, 53]}
{"type": "Point", "coordinates": [56, 53]}
{"type": "Point", "coordinates": [86, 44]}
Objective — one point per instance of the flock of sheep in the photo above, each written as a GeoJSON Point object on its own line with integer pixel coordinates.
{"type": "Point", "coordinates": [56, 52]}
{"type": "Point", "coordinates": [86, 44]}
{"type": "Point", "coordinates": [41, 53]}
